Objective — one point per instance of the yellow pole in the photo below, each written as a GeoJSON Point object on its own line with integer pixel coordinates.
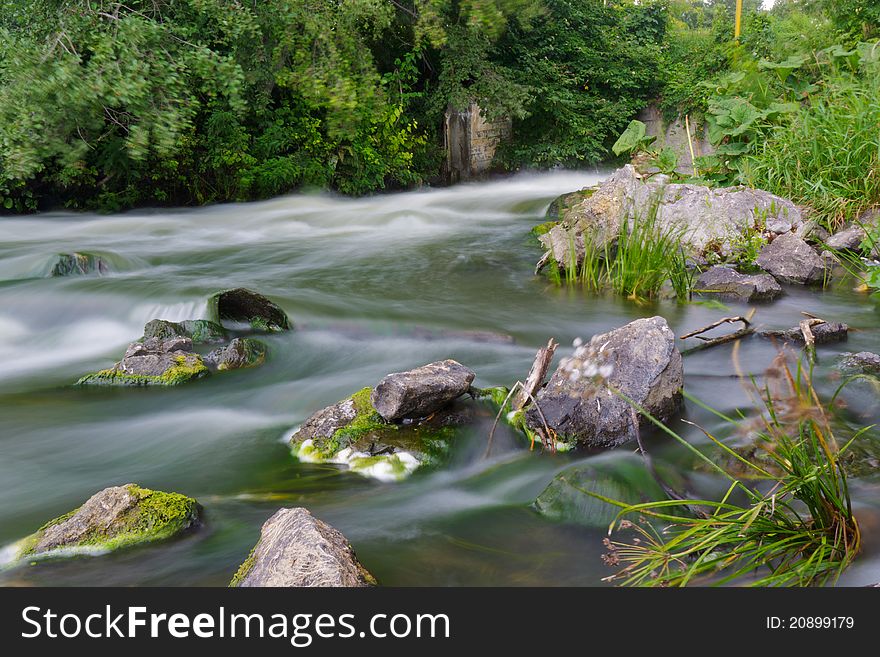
{"type": "Point", "coordinates": [738, 21]}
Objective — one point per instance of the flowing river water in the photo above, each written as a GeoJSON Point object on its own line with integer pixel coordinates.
{"type": "Point", "coordinates": [373, 285]}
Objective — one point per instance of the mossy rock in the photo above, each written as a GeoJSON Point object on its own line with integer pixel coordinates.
{"type": "Point", "coordinates": [239, 354]}
{"type": "Point", "coordinates": [561, 204]}
{"type": "Point", "coordinates": [181, 369]}
{"type": "Point", "coordinates": [200, 331]}
{"type": "Point", "coordinates": [114, 518]}
{"type": "Point", "coordinates": [351, 432]}
{"type": "Point", "coordinates": [244, 308]}
{"type": "Point", "coordinates": [543, 228]}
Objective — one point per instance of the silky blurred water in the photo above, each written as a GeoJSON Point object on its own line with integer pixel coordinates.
{"type": "Point", "coordinates": [374, 286]}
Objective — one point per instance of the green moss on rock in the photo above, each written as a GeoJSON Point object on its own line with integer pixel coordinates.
{"type": "Point", "coordinates": [150, 516]}
{"type": "Point", "coordinates": [183, 370]}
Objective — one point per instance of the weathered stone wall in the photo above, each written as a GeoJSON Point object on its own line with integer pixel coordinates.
{"type": "Point", "coordinates": [471, 142]}
{"type": "Point", "coordinates": [674, 135]}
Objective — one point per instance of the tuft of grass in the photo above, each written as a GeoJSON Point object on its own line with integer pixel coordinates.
{"type": "Point", "coordinates": [795, 529]}
{"type": "Point", "coordinates": [638, 264]}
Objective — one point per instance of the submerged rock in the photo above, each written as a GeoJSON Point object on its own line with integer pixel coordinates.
{"type": "Point", "coordinates": [639, 360]}
{"type": "Point", "coordinates": [419, 392]}
{"type": "Point", "coordinates": [238, 354]}
{"type": "Point", "coordinates": [730, 283]}
{"type": "Point", "coordinates": [864, 362]}
{"type": "Point", "coordinates": [152, 362]}
{"type": "Point", "coordinates": [351, 432]}
{"type": "Point", "coordinates": [242, 306]}
{"type": "Point", "coordinates": [824, 333]}
{"type": "Point", "coordinates": [706, 218]}
{"type": "Point", "coordinates": [78, 264]}
{"type": "Point", "coordinates": [791, 260]}
{"type": "Point", "coordinates": [200, 331]}
{"type": "Point", "coordinates": [621, 477]}
{"type": "Point", "coordinates": [297, 549]}
{"type": "Point", "coordinates": [113, 518]}
{"type": "Point", "coordinates": [848, 239]}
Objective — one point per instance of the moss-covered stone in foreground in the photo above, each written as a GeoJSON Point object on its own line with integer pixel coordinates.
{"type": "Point", "coordinates": [114, 518]}
{"type": "Point", "coordinates": [353, 433]}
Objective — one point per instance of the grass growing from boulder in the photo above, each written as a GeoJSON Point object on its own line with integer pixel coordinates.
{"type": "Point", "coordinates": [796, 527]}
{"type": "Point", "coordinates": [638, 263]}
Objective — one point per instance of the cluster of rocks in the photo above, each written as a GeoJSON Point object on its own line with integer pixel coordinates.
{"type": "Point", "coordinates": [295, 549]}
{"type": "Point", "coordinates": [165, 355]}
{"type": "Point", "coordinates": [389, 430]}
{"type": "Point", "coordinates": [711, 224]}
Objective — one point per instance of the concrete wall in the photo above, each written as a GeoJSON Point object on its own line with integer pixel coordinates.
{"type": "Point", "coordinates": [673, 135]}
{"type": "Point", "coordinates": [471, 141]}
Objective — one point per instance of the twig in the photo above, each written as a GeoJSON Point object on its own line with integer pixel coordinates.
{"type": "Point", "coordinates": [535, 379]}
{"type": "Point", "coordinates": [709, 327]}
{"type": "Point", "coordinates": [806, 327]}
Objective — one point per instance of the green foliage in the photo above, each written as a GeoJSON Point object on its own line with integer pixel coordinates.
{"type": "Point", "coordinates": [632, 139]}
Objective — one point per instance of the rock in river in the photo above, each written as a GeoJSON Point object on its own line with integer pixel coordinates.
{"type": "Point", "coordinates": [418, 393]}
{"type": "Point", "coordinates": [705, 218]}
{"type": "Point", "coordinates": [297, 549]}
{"type": "Point", "coordinates": [238, 354]}
{"type": "Point", "coordinates": [864, 362]}
{"type": "Point", "coordinates": [200, 331]}
{"type": "Point", "coordinates": [848, 239]}
{"type": "Point", "coordinates": [351, 432]}
{"type": "Point", "coordinates": [730, 283]}
{"type": "Point", "coordinates": [824, 333]}
{"type": "Point", "coordinates": [113, 518]}
{"type": "Point", "coordinates": [152, 362]}
{"type": "Point", "coordinates": [78, 264]}
{"type": "Point", "coordinates": [639, 360]}
{"type": "Point", "coordinates": [791, 260]}
{"type": "Point", "coordinates": [245, 307]}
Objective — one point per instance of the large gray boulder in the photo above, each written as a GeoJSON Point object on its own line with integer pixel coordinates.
{"type": "Point", "coordinates": [638, 360]}
{"type": "Point", "coordinates": [728, 282]}
{"type": "Point", "coordinates": [152, 362]}
{"type": "Point", "coordinates": [418, 393]}
{"type": "Point", "coordinates": [791, 260]}
{"type": "Point", "coordinates": [704, 218]}
{"type": "Point", "coordinates": [113, 518]}
{"type": "Point", "coordinates": [297, 549]}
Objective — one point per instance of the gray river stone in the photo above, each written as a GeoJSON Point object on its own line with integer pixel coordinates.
{"type": "Point", "coordinates": [153, 362]}
{"type": "Point", "coordinates": [238, 354]}
{"type": "Point", "coordinates": [419, 392]}
{"type": "Point", "coordinates": [78, 264]}
{"type": "Point", "coordinates": [730, 283]}
{"type": "Point", "coordinates": [116, 517]}
{"type": "Point", "coordinates": [791, 260]}
{"type": "Point", "coordinates": [298, 550]}
{"type": "Point", "coordinates": [242, 306]}
{"type": "Point", "coordinates": [644, 365]}
{"type": "Point", "coordinates": [200, 331]}
{"type": "Point", "coordinates": [848, 239]}
{"type": "Point", "coordinates": [825, 333]}
{"type": "Point", "coordinates": [863, 362]}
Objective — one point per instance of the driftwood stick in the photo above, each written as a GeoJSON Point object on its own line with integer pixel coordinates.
{"type": "Point", "coordinates": [806, 327]}
{"type": "Point", "coordinates": [725, 320]}
{"type": "Point", "coordinates": [535, 379]}
{"type": "Point", "coordinates": [724, 339]}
